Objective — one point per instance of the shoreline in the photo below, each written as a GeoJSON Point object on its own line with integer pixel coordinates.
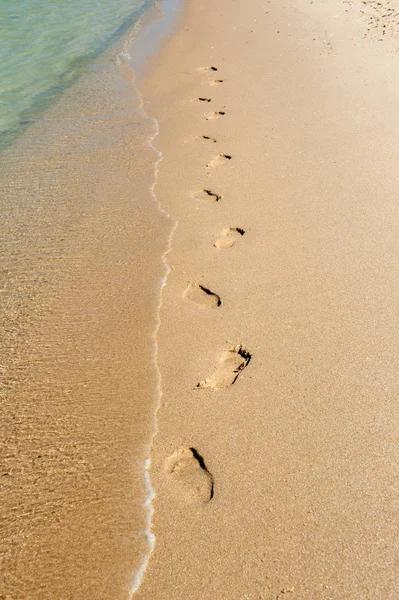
{"type": "Point", "coordinates": [258, 471]}
{"type": "Point", "coordinates": [201, 314]}
{"type": "Point", "coordinates": [154, 27]}
{"type": "Point", "coordinates": [89, 271]}
{"type": "Point", "coordinates": [71, 74]}
{"type": "Point", "coordinates": [151, 33]}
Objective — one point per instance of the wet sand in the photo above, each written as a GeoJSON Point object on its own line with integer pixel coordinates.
{"type": "Point", "coordinates": [275, 464]}
{"type": "Point", "coordinates": [82, 239]}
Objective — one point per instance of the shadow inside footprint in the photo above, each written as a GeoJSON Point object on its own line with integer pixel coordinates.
{"type": "Point", "coordinates": [208, 138]}
{"type": "Point", "coordinates": [231, 363]}
{"type": "Point", "coordinates": [202, 296]}
{"type": "Point", "coordinates": [219, 160]}
{"type": "Point", "coordinates": [229, 237]}
{"type": "Point", "coordinates": [187, 470]}
{"type": "Point", "coordinates": [207, 195]}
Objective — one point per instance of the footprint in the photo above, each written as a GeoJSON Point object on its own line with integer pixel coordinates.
{"type": "Point", "coordinates": [207, 69]}
{"type": "Point", "coordinates": [207, 195]}
{"type": "Point", "coordinates": [207, 138]}
{"type": "Point", "coordinates": [216, 82]}
{"type": "Point", "coordinates": [202, 296]}
{"type": "Point", "coordinates": [219, 160]}
{"type": "Point", "coordinates": [231, 363]}
{"type": "Point", "coordinates": [187, 470]}
{"type": "Point", "coordinates": [229, 237]}
{"type": "Point", "coordinates": [214, 115]}
{"type": "Point", "coordinates": [204, 99]}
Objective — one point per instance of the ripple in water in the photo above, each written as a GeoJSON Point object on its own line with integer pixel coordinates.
{"type": "Point", "coordinates": [46, 44]}
{"type": "Point", "coordinates": [81, 245]}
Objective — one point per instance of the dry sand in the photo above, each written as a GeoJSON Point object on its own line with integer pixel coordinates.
{"type": "Point", "coordinates": [275, 465]}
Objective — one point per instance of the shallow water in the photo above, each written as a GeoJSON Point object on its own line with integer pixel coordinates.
{"type": "Point", "coordinates": [81, 242]}
{"type": "Point", "coordinates": [46, 44]}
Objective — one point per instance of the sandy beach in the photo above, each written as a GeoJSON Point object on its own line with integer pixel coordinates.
{"type": "Point", "coordinates": [200, 285]}
{"type": "Point", "coordinates": [275, 462]}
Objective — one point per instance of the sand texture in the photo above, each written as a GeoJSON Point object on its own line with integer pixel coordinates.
{"type": "Point", "coordinates": [275, 465]}
{"type": "Point", "coordinates": [81, 245]}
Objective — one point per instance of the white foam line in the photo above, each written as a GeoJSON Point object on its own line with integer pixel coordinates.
{"type": "Point", "coordinates": [148, 503]}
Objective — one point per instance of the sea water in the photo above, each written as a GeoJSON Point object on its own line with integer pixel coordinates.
{"type": "Point", "coordinates": [82, 240]}
{"type": "Point", "coordinates": [45, 44]}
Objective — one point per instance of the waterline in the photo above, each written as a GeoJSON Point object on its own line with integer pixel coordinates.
{"type": "Point", "coordinates": [45, 46]}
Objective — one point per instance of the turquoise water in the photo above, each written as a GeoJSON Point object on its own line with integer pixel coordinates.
{"type": "Point", "coordinates": [45, 44]}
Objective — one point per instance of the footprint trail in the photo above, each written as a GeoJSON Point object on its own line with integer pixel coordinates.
{"type": "Point", "coordinates": [213, 116]}
{"type": "Point", "coordinates": [219, 160]}
{"type": "Point", "coordinates": [208, 138]}
{"type": "Point", "coordinates": [207, 69]}
{"type": "Point", "coordinates": [229, 237]}
{"type": "Point", "coordinates": [192, 480]}
{"type": "Point", "coordinates": [207, 195]}
{"type": "Point", "coordinates": [202, 296]}
{"type": "Point", "coordinates": [231, 364]}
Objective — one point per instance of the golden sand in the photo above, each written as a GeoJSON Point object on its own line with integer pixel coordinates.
{"type": "Point", "coordinates": [275, 465]}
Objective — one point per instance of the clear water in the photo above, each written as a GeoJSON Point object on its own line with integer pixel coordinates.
{"type": "Point", "coordinates": [81, 246]}
{"type": "Point", "coordinates": [45, 44]}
